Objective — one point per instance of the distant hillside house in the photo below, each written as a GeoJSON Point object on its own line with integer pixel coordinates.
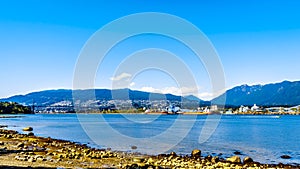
{"type": "Point", "coordinates": [243, 109]}
{"type": "Point", "coordinates": [255, 108]}
{"type": "Point", "coordinates": [229, 111]}
{"type": "Point", "coordinates": [283, 109]}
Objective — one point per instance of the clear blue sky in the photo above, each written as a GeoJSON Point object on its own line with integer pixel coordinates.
{"type": "Point", "coordinates": [257, 41]}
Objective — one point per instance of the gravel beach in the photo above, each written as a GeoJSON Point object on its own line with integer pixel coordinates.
{"type": "Point", "coordinates": [26, 150]}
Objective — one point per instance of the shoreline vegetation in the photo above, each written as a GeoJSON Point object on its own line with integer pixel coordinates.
{"type": "Point", "coordinates": [181, 113]}
{"type": "Point", "coordinates": [14, 108]}
{"type": "Point", "coordinates": [28, 150]}
{"type": "Point", "coordinates": [8, 108]}
{"type": "Point", "coordinates": [153, 112]}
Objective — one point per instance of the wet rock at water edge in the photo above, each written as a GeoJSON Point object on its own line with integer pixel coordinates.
{"type": "Point", "coordinates": [215, 159]}
{"type": "Point", "coordinates": [133, 147]}
{"type": "Point", "coordinates": [285, 157]}
{"type": "Point", "coordinates": [247, 160]}
{"type": "Point", "coordinates": [208, 158]}
{"type": "Point", "coordinates": [173, 154]}
{"type": "Point", "coordinates": [196, 153]}
{"type": "Point", "coordinates": [27, 129]}
{"type": "Point", "coordinates": [237, 153]}
{"type": "Point", "coordinates": [30, 134]}
{"type": "Point", "coordinates": [234, 159]}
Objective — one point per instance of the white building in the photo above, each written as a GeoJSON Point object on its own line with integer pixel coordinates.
{"type": "Point", "coordinates": [255, 108]}
{"type": "Point", "coordinates": [229, 111]}
{"type": "Point", "coordinates": [243, 109]}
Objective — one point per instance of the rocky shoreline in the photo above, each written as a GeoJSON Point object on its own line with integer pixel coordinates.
{"type": "Point", "coordinates": [26, 150]}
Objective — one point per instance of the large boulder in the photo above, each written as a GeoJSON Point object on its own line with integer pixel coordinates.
{"type": "Point", "coordinates": [30, 134]}
{"type": "Point", "coordinates": [215, 159]}
{"type": "Point", "coordinates": [133, 147]}
{"type": "Point", "coordinates": [27, 129]}
{"type": "Point", "coordinates": [285, 157]}
{"type": "Point", "coordinates": [247, 160]}
{"type": "Point", "coordinates": [173, 154]}
{"type": "Point", "coordinates": [196, 153]}
{"type": "Point", "coordinates": [234, 159]}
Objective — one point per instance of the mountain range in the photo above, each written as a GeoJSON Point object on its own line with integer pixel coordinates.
{"type": "Point", "coordinates": [49, 97]}
{"type": "Point", "coordinates": [285, 93]}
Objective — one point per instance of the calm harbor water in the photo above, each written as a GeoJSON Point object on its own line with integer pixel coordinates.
{"type": "Point", "coordinates": [264, 138]}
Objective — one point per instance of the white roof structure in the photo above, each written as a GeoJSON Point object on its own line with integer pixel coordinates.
{"type": "Point", "coordinates": [254, 107]}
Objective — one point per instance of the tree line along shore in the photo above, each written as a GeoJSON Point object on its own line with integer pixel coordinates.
{"type": "Point", "coordinates": [28, 150]}
{"type": "Point", "coordinates": [16, 108]}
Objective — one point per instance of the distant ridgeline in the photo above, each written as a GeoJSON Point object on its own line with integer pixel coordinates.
{"type": "Point", "coordinates": [14, 108]}
{"type": "Point", "coordinates": [61, 100]}
{"type": "Point", "coordinates": [284, 94]}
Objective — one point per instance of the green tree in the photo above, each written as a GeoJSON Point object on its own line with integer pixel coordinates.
{"type": "Point", "coordinates": [14, 108]}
